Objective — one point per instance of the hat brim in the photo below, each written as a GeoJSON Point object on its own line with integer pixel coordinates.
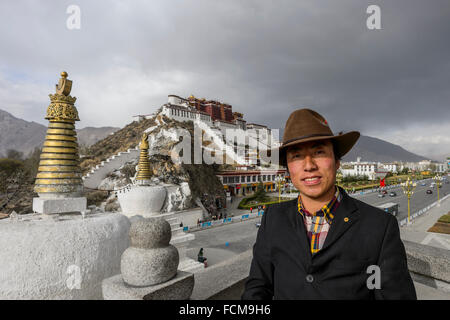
{"type": "Point", "coordinates": [344, 143]}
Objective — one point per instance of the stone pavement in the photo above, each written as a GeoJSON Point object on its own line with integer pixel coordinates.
{"type": "Point", "coordinates": [417, 231]}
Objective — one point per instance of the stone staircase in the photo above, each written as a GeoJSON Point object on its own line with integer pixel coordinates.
{"type": "Point", "coordinates": [93, 179]}
{"type": "Point", "coordinates": [180, 239]}
{"type": "Point", "coordinates": [175, 227]}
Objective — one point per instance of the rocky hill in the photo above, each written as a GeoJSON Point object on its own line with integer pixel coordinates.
{"type": "Point", "coordinates": [90, 135]}
{"type": "Point", "coordinates": [163, 136]}
{"type": "Point", "coordinates": [18, 134]}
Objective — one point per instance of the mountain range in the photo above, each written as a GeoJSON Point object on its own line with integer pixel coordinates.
{"type": "Point", "coordinates": [374, 149]}
{"type": "Point", "coordinates": [24, 136]}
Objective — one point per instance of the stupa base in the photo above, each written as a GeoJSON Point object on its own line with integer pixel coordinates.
{"type": "Point", "coordinates": [178, 288]}
{"type": "Point", "coordinates": [61, 205]}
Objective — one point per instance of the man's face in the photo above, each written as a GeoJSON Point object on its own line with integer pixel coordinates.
{"type": "Point", "coordinates": [312, 167]}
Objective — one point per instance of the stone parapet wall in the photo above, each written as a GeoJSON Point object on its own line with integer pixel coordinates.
{"type": "Point", "coordinates": [225, 281]}
{"type": "Point", "coordinates": [429, 265]}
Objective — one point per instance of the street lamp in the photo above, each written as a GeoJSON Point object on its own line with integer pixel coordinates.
{"type": "Point", "coordinates": [408, 188]}
{"type": "Point", "coordinates": [279, 181]}
{"type": "Point", "coordinates": [437, 179]}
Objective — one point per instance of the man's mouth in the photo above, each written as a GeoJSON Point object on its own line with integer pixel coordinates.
{"type": "Point", "coordinates": [310, 181]}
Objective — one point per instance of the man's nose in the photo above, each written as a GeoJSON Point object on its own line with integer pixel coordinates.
{"type": "Point", "coordinates": [309, 163]}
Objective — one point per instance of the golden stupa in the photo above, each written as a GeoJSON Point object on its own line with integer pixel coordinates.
{"type": "Point", "coordinates": [144, 173]}
{"type": "Point", "coordinates": [59, 172]}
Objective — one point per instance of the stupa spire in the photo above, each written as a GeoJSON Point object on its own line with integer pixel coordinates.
{"type": "Point", "coordinates": [144, 173]}
{"type": "Point", "coordinates": [59, 173]}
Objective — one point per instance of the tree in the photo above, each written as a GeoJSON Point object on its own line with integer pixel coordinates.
{"type": "Point", "coordinates": [32, 163]}
{"type": "Point", "coordinates": [14, 154]}
{"type": "Point", "coordinates": [12, 178]}
{"type": "Point", "coordinates": [404, 171]}
{"type": "Point", "coordinates": [260, 194]}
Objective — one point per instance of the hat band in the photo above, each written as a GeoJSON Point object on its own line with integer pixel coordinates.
{"type": "Point", "coordinates": [307, 136]}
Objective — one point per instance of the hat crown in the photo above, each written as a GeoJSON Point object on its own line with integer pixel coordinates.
{"type": "Point", "coordinates": [305, 123]}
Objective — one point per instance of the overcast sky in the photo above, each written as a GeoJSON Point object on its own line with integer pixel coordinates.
{"type": "Point", "coordinates": [265, 58]}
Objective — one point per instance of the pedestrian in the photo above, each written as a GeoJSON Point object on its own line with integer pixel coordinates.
{"type": "Point", "coordinates": [201, 258]}
{"type": "Point", "coordinates": [200, 255]}
{"type": "Point", "coordinates": [251, 209]}
{"type": "Point", "coordinates": [292, 260]}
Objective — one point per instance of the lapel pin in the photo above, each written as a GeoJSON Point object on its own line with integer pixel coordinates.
{"type": "Point", "coordinates": [345, 219]}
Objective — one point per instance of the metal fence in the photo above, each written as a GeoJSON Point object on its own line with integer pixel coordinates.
{"type": "Point", "coordinates": [420, 212]}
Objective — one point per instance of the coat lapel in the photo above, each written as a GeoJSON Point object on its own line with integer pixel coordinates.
{"type": "Point", "coordinates": [346, 215]}
{"type": "Point", "coordinates": [300, 232]}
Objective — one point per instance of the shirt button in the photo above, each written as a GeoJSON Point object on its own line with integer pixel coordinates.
{"type": "Point", "coordinates": [309, 278]}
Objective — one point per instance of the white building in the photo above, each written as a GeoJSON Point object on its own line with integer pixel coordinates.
{"type": "Point", "coordinates": [250, 136]}
{"type": "Point", "coordinates": [368, 169]}
{"type": "Point", "coordinates": [389, 167]}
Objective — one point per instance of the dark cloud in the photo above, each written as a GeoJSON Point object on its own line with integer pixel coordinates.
{"type": "Point", "coordinates": [266, 58]}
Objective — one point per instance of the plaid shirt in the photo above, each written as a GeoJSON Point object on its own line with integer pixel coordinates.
{"type": "Point", "coordinates": [317, 224]}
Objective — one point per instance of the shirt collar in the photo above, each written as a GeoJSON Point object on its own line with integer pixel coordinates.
{"type": "Point", "coordinates": [327, 210]}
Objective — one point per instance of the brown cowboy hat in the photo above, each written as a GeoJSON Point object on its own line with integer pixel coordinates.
{"type": "Point", "coordinates": [306, 125]}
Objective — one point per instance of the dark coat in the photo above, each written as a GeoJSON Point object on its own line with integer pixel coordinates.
{"type": "Point", "coordinates": [284, 268]}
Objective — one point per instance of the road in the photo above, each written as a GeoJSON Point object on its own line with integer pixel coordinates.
{"type": "Point", "coordinates": [419, 200]}
{"type": "Point", "coordinates": [225, 241]}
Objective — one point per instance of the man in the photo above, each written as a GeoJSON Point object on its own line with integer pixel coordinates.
{"type": "Point", "coordinates": [325, 244]}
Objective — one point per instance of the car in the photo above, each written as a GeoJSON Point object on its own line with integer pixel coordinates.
{"type": "Point", "coordinates": [380, 195]}
{"type": "Point", "coordinates": [429, 191]}
{"type": "Point", "coordinates": [423, 184]}
{"type": "Point", "coordinates": [384, 192]}
{"type": "Point", "coordinates": [392, 194]}
{"type": "Point", "coordinates": [390, 207]}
